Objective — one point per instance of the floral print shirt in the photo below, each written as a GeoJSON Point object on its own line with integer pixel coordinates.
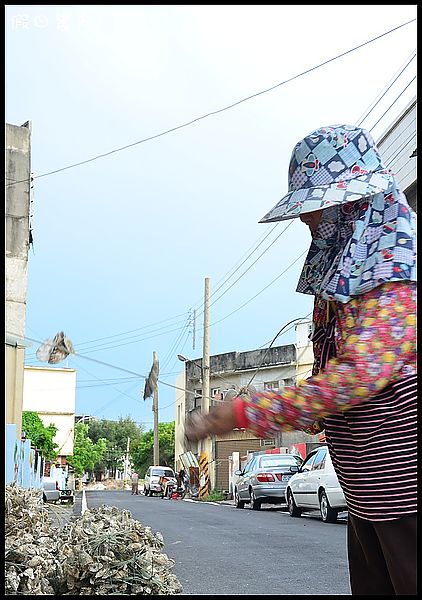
{"type": "Point", "coordinates": [375, 344]}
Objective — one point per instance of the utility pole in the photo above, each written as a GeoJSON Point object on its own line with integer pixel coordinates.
{"type": "Point", "coordinates": [156, 438]}
{"type": "Point", "coordinates": [207, 442]}
{"type": "Point", "coordinates": [194, 329]}
{"type": "Point", "coordinates": [126, 461]}
{"type": "Point", "coordinates": [151, 389]}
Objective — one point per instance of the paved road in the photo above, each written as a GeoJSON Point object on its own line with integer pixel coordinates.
{"type": "Point", "coordinates": [219, 549]}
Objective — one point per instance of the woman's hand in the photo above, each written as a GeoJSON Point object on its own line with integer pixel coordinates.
{"type": "Point", "coordinates": [218, 421]}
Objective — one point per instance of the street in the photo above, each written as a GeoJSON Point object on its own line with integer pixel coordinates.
{"type": "Point", "coordinates": [219, 549]}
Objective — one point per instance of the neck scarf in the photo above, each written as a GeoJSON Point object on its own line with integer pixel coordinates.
{"type": "Point", "coordinates": [361, 245]}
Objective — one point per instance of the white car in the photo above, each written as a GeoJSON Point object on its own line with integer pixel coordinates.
{"type": "Point", "coordinates": [154, 479]}
{"type": "Point", "coordinates": [50, 489]}
{"type": "Point", "coordinates": [315, 487]}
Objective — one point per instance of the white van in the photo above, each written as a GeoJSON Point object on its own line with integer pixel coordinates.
{"type": "Point", "coordinates": [152, 483]}
{"type": "Point", "coordinates": [315, 487]}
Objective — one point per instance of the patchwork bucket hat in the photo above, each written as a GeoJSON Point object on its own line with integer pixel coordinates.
{"type": "Point", "coordinates": [331, 166]}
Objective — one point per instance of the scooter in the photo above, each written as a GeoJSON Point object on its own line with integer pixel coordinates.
{"type": "Point", "coordinates": [173, 491]}
{"type": "Point", "coordinates": [168, 487]}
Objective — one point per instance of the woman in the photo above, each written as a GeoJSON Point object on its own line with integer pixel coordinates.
{"type": "Point", "coordinates": [361, 269]}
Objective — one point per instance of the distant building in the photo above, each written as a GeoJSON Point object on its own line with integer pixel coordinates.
{"type": "Point", "coordinates": [51, 393]}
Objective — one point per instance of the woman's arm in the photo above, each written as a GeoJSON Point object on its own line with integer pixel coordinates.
{"type": "Point", "coordinates": [380, 343]}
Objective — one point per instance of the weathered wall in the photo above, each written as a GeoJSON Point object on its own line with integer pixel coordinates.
{"type": "Point", "coordinates": [18, 168]}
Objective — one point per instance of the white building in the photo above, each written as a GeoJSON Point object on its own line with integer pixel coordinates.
{"type": "Point", "coordinates": [51, 393]}
{"type": "Point", "coordinates": [397, 147]}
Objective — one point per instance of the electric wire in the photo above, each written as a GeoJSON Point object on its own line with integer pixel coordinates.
{"type": "Point", "coordinates": [133, 330]}
{"type": "Point", "coordinates": [106, 346]}
{"type": "Point", "coordinates": [384, 91]}
{"type": "Point", "coordinates": [261, 291]}
{"type": "Point", "coordinates": [252, 249]}
{"type": "Point", "coordinates": [219, 110]}
{"type": "Point", "coordinates": [252, 264]}
{"type": "Point", "coordinates": [270, 346]}
{"type": "Point", "coordinates": [392, 104]}
{"type": "Point", "coordinates": [172, 350]}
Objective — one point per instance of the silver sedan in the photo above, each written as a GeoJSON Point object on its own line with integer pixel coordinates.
{"type": "Point", "coordinates": [264, 479]}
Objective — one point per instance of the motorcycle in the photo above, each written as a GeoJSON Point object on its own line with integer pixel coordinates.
{"type": "Point", "coordinates": [172, 490]}
{"type": "Point", "coordinates": [168, 487]}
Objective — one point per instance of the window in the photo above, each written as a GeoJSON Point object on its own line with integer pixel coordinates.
{"type": "Point", "coordinates": [162, 472]}
{"type": "Point", "coordinates": [319, 461]}
{"type": "Point", "coordinates": [267, 442]}
{"type": "Point", "coordinates": [197, 399]}
{"type": "Point", "coordinates": [271, 385]}
{"type": "Point", "coordinates": [307, 465]}
{"type": "Point", "coordinates": [216, 395]}
{"type": "Point", "coordinates": [272, 461]}
{"type": "Point", "coordinates": [249, 466]}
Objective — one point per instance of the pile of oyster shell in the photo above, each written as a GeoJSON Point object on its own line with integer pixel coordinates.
{"type": "Point", "coordinates": [104, 551]}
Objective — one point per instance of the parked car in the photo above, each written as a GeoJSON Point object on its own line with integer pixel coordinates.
{"type": "Point", "coordinates": [152, 479]}
{"type": "Point", "coordinates": [264, 479]}
{"type": "Point", "coordinates": [50, 489]}
{"type": "Point", "coordinates": [315, 487]}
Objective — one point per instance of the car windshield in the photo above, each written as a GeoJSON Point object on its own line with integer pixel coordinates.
{"type": "Point", "coordinates": [162, 472]}
{"type": "Point", "coordinates": [279, 461]}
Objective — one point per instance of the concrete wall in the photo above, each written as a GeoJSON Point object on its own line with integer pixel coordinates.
{"type": "Point", "coordinates": [179, 421]}
{"type": "Point", "coordinates": [51, 393]}
{"type": "Point", "coordinates": [14, 358]}
{"type": "Point", "coordinates": [23, 464]}
{"type": "Point", "coordinates": [18, 167]}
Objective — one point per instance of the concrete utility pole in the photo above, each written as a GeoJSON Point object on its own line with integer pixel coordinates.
{"type": "Point", "coordinates": [156, 437]}
{"type": "Point", "coordinates": [151, 389]}
{"type": "Point", "coordinates": [207, 442]}
{"type": "Point", "coordinates": [126, 461]}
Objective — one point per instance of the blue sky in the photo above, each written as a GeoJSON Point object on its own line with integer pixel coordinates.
{"type": "Point", "coordinates": [122, 244]}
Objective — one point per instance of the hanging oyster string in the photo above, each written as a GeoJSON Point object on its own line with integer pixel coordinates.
{"type": "Point", "coordinates": [55, 350]}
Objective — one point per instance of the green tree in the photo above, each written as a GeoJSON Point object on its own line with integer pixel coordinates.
{"type": "Point", "coordinates": [86, 453]}
{"type": "Point", "coordinates": [40, 436]}
{"type": "Point", "coordinates": [143, 453]}
{"type": "Point", "coordinates": [116, 433]}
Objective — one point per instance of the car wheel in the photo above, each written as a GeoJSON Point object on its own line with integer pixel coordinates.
{"type": "Point", "coordinates": [238, 502]}
{"type": "Point", "coordinates": [294, 511]}
{"type": "Point", "coordinates": [255, 503]}
{"type": "Point", "coordinates": [328, 514]}
{"type": "Point", "coordinates": [146, 491]}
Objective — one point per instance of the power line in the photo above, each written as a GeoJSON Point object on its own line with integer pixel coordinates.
{"type": "Point", "coordinates": [216, 111]}
{"type": "Point", "coordinates": [132, 330]}
{"type": "Point", "coordinates": [255, 261]}
{"type": "Point", "coordinates": [392, 104]}
{"type": "Point", "coordinates": [262, 290]}
{"type": "Point", "coordinates": [383, 93]}
{"type": "Point", "coordinates": [172, 349]}
{"type": "Point", "coordinates": [255, 247]}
